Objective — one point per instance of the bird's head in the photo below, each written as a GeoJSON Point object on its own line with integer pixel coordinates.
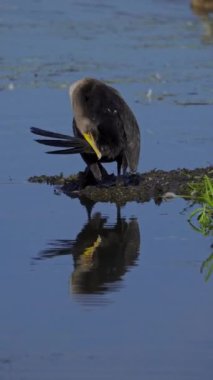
{"type": "Point", "coordinates": [81, 95]}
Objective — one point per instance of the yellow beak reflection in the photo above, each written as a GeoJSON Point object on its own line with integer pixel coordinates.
{"type": "Point", "coordinates": [90, 139]}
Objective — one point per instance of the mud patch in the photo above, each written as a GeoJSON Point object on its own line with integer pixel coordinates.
{"type": "Point", "coordinates": [139, 187]}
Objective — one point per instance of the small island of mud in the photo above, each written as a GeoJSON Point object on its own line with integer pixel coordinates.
{"type": "Point", "coordinates": [155, 184]}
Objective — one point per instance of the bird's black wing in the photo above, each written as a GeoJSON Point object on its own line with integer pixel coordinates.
{"type": "Point", "coordinates": [132, 133]}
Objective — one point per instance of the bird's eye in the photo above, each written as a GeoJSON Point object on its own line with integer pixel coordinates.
{"type": "Point", "coordinates": [86, 98]}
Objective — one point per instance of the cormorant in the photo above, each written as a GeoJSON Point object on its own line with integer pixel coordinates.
{"type": "Point", "coordinates": [105, 129]}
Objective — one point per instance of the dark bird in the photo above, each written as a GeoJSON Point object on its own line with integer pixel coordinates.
{"type": "Point", "coordinates": [105, 129]}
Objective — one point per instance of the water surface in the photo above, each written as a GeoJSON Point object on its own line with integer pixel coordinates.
{"type": "Point", "coordinates": [121, 295]}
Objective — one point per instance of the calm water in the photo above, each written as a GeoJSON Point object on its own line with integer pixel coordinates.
{"type": "Point", "coordinates": [119, 296]}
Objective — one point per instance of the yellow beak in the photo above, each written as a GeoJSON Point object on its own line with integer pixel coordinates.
{"type": "Point", "coordinates": [90, 139]}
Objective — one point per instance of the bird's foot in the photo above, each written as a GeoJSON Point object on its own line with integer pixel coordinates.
{"type": "Point", "coordinates": [108, 180]}
{"type": "Point", "coordinates": [128, 179]}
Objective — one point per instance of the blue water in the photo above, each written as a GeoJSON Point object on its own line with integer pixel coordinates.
{"type": "Point", "coordinates": [146, 309]}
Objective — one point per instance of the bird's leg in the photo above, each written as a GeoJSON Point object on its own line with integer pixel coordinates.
{"type": "Point", "coordinates": [96, 171]}
{"type": "Point", "coordinates": [96, 174]}
{"type": "Point", "coordinates": [121, 163]}
{"type": "Point", "coordinates": [124, 165]}
{"type": "Point", "coordinates": [90, 176]}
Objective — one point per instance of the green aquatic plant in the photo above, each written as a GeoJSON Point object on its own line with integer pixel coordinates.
{"type": "Point", "coordinates": [207, 267]}
{"type": "Point", "coordinates": [201, 219]}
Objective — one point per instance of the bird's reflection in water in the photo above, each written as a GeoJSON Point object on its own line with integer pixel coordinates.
{"type": "Point", "coordinates": [102, 253]}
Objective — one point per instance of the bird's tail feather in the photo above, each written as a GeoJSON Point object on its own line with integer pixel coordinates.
{"type": "Point", "coordinates": [42, 132]}
{"type": "Point", "coordinates": [66, 151]}
{"type": "Point", "coordinates": [73, 144]}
